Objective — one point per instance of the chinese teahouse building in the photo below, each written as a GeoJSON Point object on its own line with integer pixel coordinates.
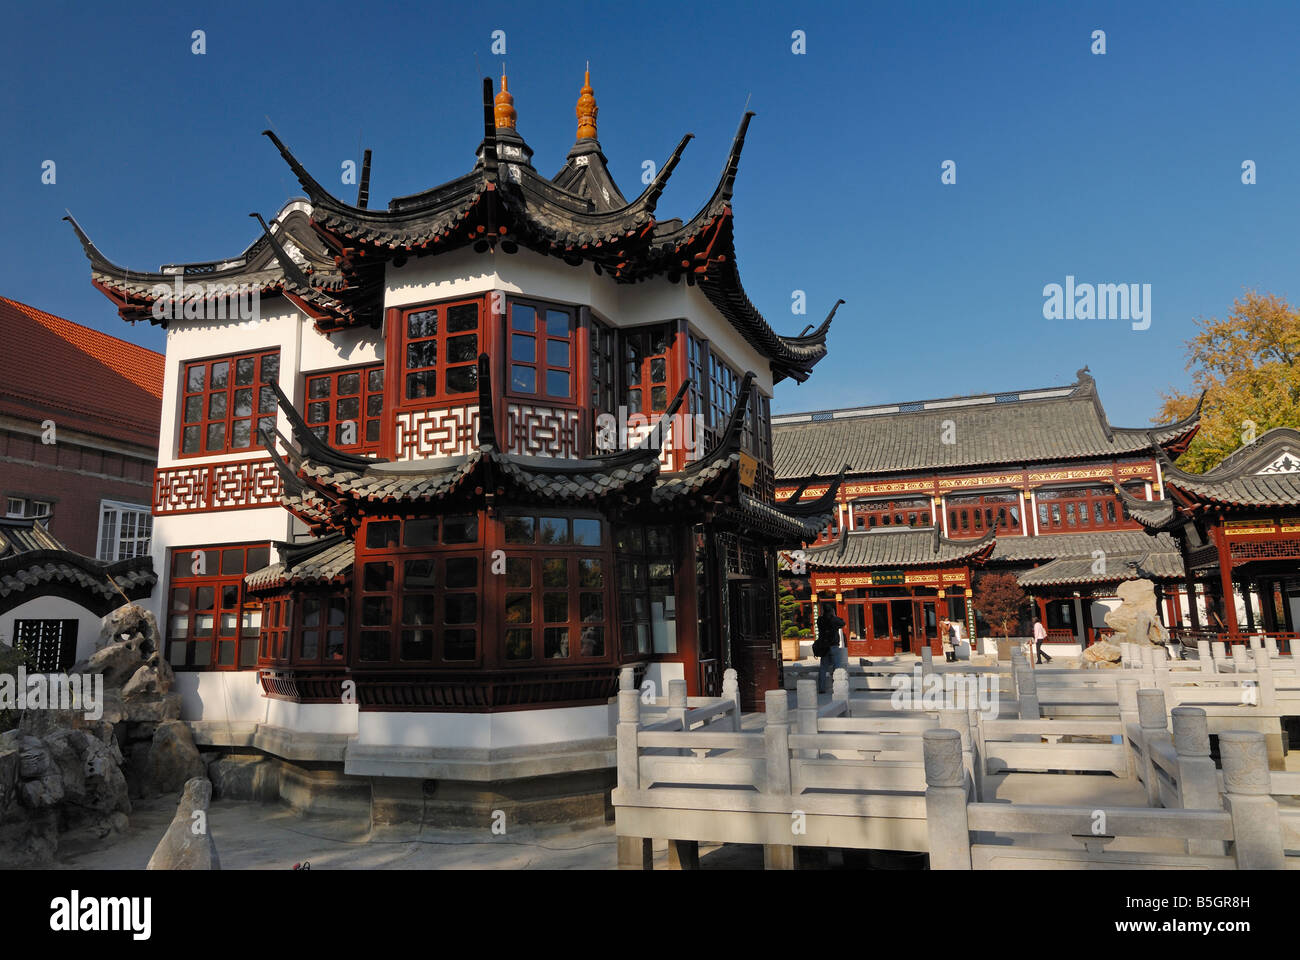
{"type": "Point", "coordinates": [415, 508]}
{"type": "Point", "coordinates": [1238, 529]}
{"type": "Point", "coordinates": [937, 492]}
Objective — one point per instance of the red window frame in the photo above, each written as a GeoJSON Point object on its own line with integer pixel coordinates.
{"type": "Point", "coordinates": [893, 514]}
{"type": "Point", "coordinates": [218, 592]}
{"type": "Point", "coordinates": [328, 398]}
{"type": "Point", "coordinates": [396, 608]}
{"type": "Point", "coordinates": [971, 516]}
{"type": "Point", "coordinates": [541, 362]}
{"type": "Point", "coordinates": [431, 345]}
{"type": "Point", "coordinates": [199, 401]}
{"type": "Point", "coordinates": [648, 371]}
{"type": "Point", "coordinates": [557, 592]}
{"type": "Point", "coordinates": [1063, 509]}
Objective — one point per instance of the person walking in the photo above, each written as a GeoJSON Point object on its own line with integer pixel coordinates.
{"type": "Point", "coordinates": [828, 638]}
{"type": "Point", "coordinates": [1040, 634]}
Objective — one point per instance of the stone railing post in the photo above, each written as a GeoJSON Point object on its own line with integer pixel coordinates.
{"type": "Point", "coordinates": [1155, 730]}
{"type": "Point", "coordinates": [629, 719]}
{"type": "Point", "coordinates": [776, 742]}
{"type": "Point", "coordinates": [1220, 650]}
{"type": "Point", "coordinates": [1205, 655]}
{"type": "Point", "coordinates": [677, 702]}
{"type": "Point", "coordinates": [927, 660]}
{"type": "Point", "coordinates": [1198, 779]}
{"type": "Point", "coordinates": [1270, 644]}
{"type": "Point", "coordinates": [840, 687]}
{"type": "Point", "coordinates": [959, 720]}
{"type": "Point", "coordinates": [945, 801]}
{"type": "Point", "coordinates": [1240, 662]}
{"type": "Point", "coordinates": [1126, 692]}
{"type": "Point", "coordinates": [1267, 687]}
{"type": "Point", "coordinates": [1027, 688]}
{"type": "Point", "coordinates": [627, 679]}
{"type": "Point", "coordinates": [806, 714]}
{"type": "Point", "coordinates": [1256, 829]}
{"type": "Point", "coordinates": [841, 657]}
{"type": "Point", "coordinates": [731, 691]}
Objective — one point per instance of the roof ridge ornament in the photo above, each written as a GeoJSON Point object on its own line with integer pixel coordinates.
{"type": "Point", "coordinates": [587, 109]}
{"type": "Point", "coordinates": [504, 109]}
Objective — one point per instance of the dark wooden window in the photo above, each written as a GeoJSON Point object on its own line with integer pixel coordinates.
{"type": "Point", "coordinates": [277, 629]}
{"type": "Point", "coordinates": [439, 349]}
{"type": "Point", "coordinates": [542, 350]}
{"type": "Point", "coordinates": [724, 388]}
{"type": "Point", "coordinates": [973, 515]}
{"type": "Point", "coordinates": [419, 595]}
{"type": "Point", "coordinates": [47, 646]}
{"type": "Point", "coordinates": [225, 401]}
{"type": "Point", "coordinates": [212, 622]}
{"type": "Point", "coordinates": [345, 408]}
{"type": "Point", "coordinates": [647, 594]}
{"type": "Point", "coordinates": [557, 586]}
{"type": "Point", "coordinates": [697, 358]}
{"type": "Point", "coordinates": [901, 512]}
{"type": "Point", "coordinates": [1082, 508]}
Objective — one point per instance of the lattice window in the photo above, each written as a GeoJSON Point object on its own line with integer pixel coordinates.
{"type": "Point", "coordinates": [226, 401]}
{"type": "Point", "coordinates": [212, 621]}
{"type": "Point", "coordinates": [345, 408]}
{"type": "Point", "coordinates": [47, 646]}
{"type": "Point", "coordinates": [439, 350]}
{"type": "Point", "coordinates": [647, 590]}
{"type": "Point", "coordinates": [1083, 508]}
{"type": "Point", "coordinates": [646, 369]}
{"type": "Point", "coordinates": [903, 512]}
{"type": "Point", "coordinates": [974, 515]}
{"type": "Point", "coordinates": [125, 530]}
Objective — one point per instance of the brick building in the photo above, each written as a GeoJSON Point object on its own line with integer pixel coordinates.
{"type": "Point", "coordinates": [79, 420]}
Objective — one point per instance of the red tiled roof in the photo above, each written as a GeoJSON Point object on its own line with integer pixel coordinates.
{"type": "Point", "coordinates": [84, 380]}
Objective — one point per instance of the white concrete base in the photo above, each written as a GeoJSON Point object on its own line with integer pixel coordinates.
{"type": "Point", "coordinates": [486, 731]}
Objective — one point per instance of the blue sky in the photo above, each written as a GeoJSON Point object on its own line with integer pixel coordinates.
{"type": "Point", "coordinates": [1122, 168]}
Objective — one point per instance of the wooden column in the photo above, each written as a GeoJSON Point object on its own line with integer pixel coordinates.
{"type": "Point", "coordinates": [1267, 610]}
{"type": "Point", "coordinates": [1225, 579]}
{"type": "Point", "coordinates": [1085, 607]}
{"type": "Point", "coordinates": [1192, 608]}
{"type": "Point", "coordinates": [1246, 589]}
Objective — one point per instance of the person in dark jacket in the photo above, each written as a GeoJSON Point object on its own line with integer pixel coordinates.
{"type": "Point", "coordinates": [828, 638]}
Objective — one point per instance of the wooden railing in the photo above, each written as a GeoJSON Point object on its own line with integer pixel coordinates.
{"type": "Point", "coordinates": [206, 487]}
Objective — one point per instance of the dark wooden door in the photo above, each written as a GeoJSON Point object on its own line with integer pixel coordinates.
{"type": "Point", "coordinates": [755, 653]}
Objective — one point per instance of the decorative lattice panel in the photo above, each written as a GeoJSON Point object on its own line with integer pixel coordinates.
{"type": "Point", "coordinates": [233, 485]}
{"type": "Point", "coordinates": [537, 431]}
{"type": "Point", "coordinates": [441, 432]}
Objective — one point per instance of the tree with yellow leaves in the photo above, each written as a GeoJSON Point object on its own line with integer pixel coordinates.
{"type": "Point", "coordinates": [1249, 367]}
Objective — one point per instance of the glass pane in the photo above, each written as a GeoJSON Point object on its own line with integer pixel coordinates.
{"type": "Point", "coordinates": [557, 383]}
{"type": "Point", "coordinates": [180, 599]}
{"type": "Point", "coordinates": [270, 368]}
{"type": "Point", "coordinates": [349, 383]}
{"type": "Point", "coordinates": [423, 353]}
{"type": "Point", "coordinates": [205, 598]}
{"type": "Point", "coordinates": [557, 353]}
{"type": "Point", "coordinates": [462, 572]}
{"type": "Point", "coordinates": [458, 644]}
{"type": "Point", "coordinates": [658, 398]}
{"type": "Point", "coordinates": [421, 384]}
{"type": "Point", "coordinates": [216, 436]}
{"type": "Point", "coordinates": [460, 608]}
{"type": "Point", "coordinates": [555, 572]}
{"type": "Point", "coordinates": [375, 380]}
{"type": "Point", "coordinates": [463, 316]}
{"type": "Point", "coordinates": [557, 323]}
{"type": "Point", "coordinates": [593, 642]}
{"type": "Point", "coordinates": [193, 409]}
{"type": "Point", "coordinates": [258, 557]}
{"type": "Point", "coordinates": [523, 379]}
{"type": "Point", "coordinates": [519, 608]}
{"type": "Point", "coordinates": [190, 441]}
{"type": "Point", "coordinates": [203, 624]}
{"type": "Point", "coordinates": [378, 576]}
{"type": "Point", "coordinates": [226, 653]}
{"type": "Point", "coordinates": [178, 627]}
{"type": "Point", "coordinates": [266, 402]}
{"type": "Point", "coordinates": [523, 317]}
{"type": "Point", "coordinates": [244, 402]}
{"type": "Point", "coordinates": [460, 530]}
{"type": "Point", "coordinates": [519, 644]}
{"type": "Point", "coordinates": [520, 529]}
{"type": "Point", "coordinates": [591, 607]}
{"type": "Point", "coordinates": [586, 532]}
{"type": "Point", "coordinates": [590, 573]}
{"type": "Point", "coordinates": [417, 609]}
{"type": "Point", "coordinates": [194, 378]}
{"type": "Point", "coordinates": [376, 611]}
{"type": "Point", "coordinates": [554, 529]}
{"type": "Point", "coordinates": [348, 408]}
{"type": "Point", "coordinates": [417, 645]}
{"type": "Point", "coordinates": [462, 379]}
{"type": "Point", "coordinates": [419, 574]}
{"type": "Point", "coordinates": [556, 642]}
{"type": "Point", "coordinates": [523, 349]}
{"type": "Point", "coordinates": [245, 368]}
{"type": "Point", "coordinates": [374, 645]}
{"type": "Point", "coordinates": [658, 370]}
{"type": "Point", "coordinates": [555, 607]}
{"type": "Point", "coordinates": [318, 387]}
{"type": "Point", "coordinates": [216, 406]}
{"type": "Point", "coordinates": [462, 349]}
{"type": "Point", "coordinates": [422, 324]}
{"type": "Point", "coordinates": [381, 535]}
{"type": "Point", "coordinates": [220, 375]}
{"type": "Point", "coordinates": [310, 644]}
{"type": "Point", "coordinates": [421, 533]}
{"type": "Point", "coordinates": [241, 433]}
{"type": "Point", "coordinates": [519, 572]}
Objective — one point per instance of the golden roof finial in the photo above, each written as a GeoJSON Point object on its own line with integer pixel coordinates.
{"type": "Point", "coordinates": [587, 108]}
{"type": "Point", "coordinates": [504, 106]}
